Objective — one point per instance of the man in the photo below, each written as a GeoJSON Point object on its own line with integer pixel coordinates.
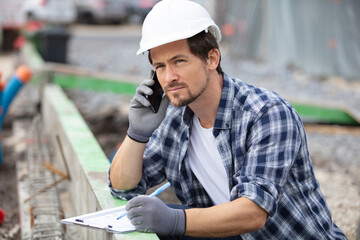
{"type": "Point", "coordinates": [236, 155]}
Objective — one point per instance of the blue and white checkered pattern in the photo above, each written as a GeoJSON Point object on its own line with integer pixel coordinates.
{"type": "Point", "coordinates": [262, 142]}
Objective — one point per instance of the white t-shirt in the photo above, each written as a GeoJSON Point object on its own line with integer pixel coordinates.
{"type": "Point", "coordinates": [206, 163]}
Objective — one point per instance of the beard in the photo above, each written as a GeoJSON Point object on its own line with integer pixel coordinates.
{"type": "Point", "coordinates": [178, 100]}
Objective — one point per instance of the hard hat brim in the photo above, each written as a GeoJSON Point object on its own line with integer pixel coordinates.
{"type": "Point", "coordinates": [213, 29]}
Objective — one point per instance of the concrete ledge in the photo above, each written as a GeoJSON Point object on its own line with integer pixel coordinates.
{"type": "Point", "coordinates": [74, 144]}
{"type": "Point", "coordinates": [31, 57]}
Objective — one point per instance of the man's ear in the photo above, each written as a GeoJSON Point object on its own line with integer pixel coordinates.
{"type": "Point", "coordinates": [213, 59]}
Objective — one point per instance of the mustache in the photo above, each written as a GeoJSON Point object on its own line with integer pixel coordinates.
{"type": "Point", "coordinates": [174, 84]}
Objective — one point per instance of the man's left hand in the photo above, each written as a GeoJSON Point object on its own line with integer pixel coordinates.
{"type": "Point", "coordinates": [149, 214]}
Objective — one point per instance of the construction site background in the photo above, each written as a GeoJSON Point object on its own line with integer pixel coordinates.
{"type": "Point", "coordinates": [321, 37]}
{"type": "Point", "coordinates": [307, 51]}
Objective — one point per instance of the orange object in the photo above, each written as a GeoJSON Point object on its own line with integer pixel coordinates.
{"type": "Point", "coordinates": [33, 26]}
{"type": "Point", "coordinates": [2, 215]}
{"type": "Point", "coordinates": [228, 29]}
{"type": "Point", "coordinates": [19, 42]}
{"type": "Point", "coordinates": [332, 43]}
{"type": "Point", "coordinates": [23, 73]}
{"type": "Point", "coordinates": [2, 84]}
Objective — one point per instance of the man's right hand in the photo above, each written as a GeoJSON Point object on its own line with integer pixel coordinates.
{"type": "Point", "coordinates": [142, 120]}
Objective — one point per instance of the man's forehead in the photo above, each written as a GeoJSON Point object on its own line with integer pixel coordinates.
{"type": "Point", "coordinates": [170, 50]}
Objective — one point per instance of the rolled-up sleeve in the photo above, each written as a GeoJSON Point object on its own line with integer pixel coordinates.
{"type": "Point", "coordinates": [272, 145]}
{"type": "Point", "coordinates": [125, 194]}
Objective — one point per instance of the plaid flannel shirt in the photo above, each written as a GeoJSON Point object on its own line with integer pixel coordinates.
{"type": "Point", "coordinates": [262, 143]}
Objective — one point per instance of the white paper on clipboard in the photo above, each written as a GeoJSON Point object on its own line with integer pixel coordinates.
{"type": "Point", "coordinates": [105, 220]}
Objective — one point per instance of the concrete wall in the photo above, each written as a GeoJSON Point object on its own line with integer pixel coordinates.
{"type": "Point", "coordinates": [72, 142]}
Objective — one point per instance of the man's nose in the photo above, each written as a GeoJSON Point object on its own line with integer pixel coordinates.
{"type": "Point", "coordinates": [170, 75]}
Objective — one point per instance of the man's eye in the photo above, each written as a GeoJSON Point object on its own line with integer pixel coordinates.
{"type": "Point", "coordinates": [179, 61]}
{"type": "Point", "coordinates": [158, 67]}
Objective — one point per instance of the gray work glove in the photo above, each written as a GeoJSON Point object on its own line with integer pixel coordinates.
{"type": "Point", "coordinates": [150, 214]}
{"type": "Point", "coordinates": [142, 120]}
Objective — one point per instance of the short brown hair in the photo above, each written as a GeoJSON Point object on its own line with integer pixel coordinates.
{"type": "Point", "coordinates": [200, 45]}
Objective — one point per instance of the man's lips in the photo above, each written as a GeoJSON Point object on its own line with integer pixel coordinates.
{"type": "Point", "coordinates": [174, 88]}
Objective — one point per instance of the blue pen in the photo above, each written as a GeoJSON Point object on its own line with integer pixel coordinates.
{"type": "Point", "coordinates": [156, 192]}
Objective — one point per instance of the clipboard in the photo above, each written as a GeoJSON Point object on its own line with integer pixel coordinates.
{"type": "Point", "coordinates": [104, 220]}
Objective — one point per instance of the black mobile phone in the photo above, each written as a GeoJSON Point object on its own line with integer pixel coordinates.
{"type": "Point", "coordinates": [155, 98]}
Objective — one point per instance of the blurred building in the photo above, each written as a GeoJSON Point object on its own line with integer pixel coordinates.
{"type": "Point", "coordinates": [321, 37]}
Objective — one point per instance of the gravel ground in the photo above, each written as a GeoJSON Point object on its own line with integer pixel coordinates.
{"type": "Point", "coordinates": [9, 229]}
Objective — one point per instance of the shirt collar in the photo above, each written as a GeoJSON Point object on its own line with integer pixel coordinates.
{"type": "Point", "coordinates": [223, 115]}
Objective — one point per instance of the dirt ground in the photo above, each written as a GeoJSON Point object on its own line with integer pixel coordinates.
{"type": "Point", "coordinates": [10, 229]}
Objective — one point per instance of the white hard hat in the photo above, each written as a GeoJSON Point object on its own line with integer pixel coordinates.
{"type": "Point", "coordinates": [172, 20]}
